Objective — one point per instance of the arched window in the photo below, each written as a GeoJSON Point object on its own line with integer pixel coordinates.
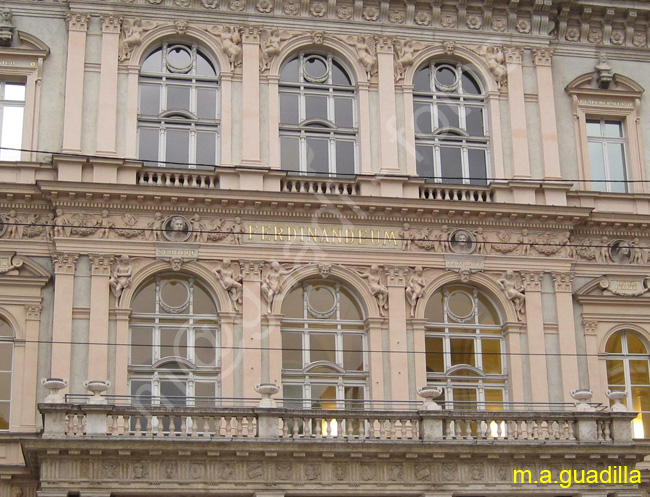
{"type": "Point", "coordinates": [451, 133]}
{"type": "Point", "coordinates": [6, 368]}
{"type": "Point", "coordinates": [178, 112]}
{"type": "Point", "coordinates": [174, 356]}
{"type": "Point", "coordinates": [324, 359]}
{"type": "Point", "coordinates": [464, 347]}
{"type": "Point", "coordinates": [627, 369]}
{"type": "Point", "coordinates": [318, 116]}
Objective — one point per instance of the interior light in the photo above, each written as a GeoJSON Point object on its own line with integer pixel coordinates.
{"type": "Point", "coordinates": [637, 427]}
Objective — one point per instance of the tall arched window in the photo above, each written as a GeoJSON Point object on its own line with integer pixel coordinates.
{"type": "Point", "coordinates": [318, 116]}
{"type": "Point", "coordinates": [174, 356]}
{"type": "Point", "coordinates": [178, 112]}
{"type": "Point", "coordinates": [6, 368]}
{"type": "Point", "coordinates": [451, 133]}
{"type": "Point", "coordinates": [324, 348]}
{"type": "Point", "coordinates": [464, 347]}
{"type": "Point", "coordinates": [627, 369]}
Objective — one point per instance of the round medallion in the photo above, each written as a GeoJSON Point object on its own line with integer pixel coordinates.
{"type": "Point", "coordinates": [174, 296]}
{"type": "Point", "coordinates": [620, 251]}
{"type": "Point", "coordinates": [460, 305]}
{"type": "Point", "coordinates": [315, 69]}
{"type": "Point", "coordinates": [462, 241]}
{"type": "Point", "coordinates": [321, 301]}
{"type": "Point", "coordinates": [176, 228]}
{"type": "Point", "coordinates": [179, 59]}
{"type": "Point", "coordinates": [446, 78]}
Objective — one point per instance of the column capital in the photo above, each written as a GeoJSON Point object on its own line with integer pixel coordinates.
{"type": "Point", "coordinates": [33, 312]}
{"type": "Point", "coordinates": [78, 21]}
{"type": "Point", "coordinates": [396, 276]}
{"type": "Point", "coordinates": [64, 262]}
{"type": "Point", "coordinates": [590, 326]}
{"type": "Point", "coordinates": [562, 281]}
{"type": "Point", "coordinates": [100, 264]}
{"type": "Point", "coordinates": [111, 24]}
{"type": "Point", "coordinates": [542, 56]}
{"type": "Point", "coordinates": [532, 280]}
{"type": "Point", "coordinates": [513, 54]}
{"type": "Point", "coordinates": [251, 270]}
{"type": "Point", "coordinates": [384, 44]}
{"type": "Point", "coordinates": [250, 34]}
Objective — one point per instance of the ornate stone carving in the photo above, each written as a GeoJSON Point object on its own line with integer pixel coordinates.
{"type": "Point", "coordinates": [513, 54]}
{"type": "Point", "coordinates": [620, 252]}
{"type": "Point", "coordinates": [462, 241]}
{"type": "Point", "coordinates": [377, 288]}
{"type": "Point", "coordinates": [505, 245]}
{"type": "Point", "coordinates": [231, 282]}
{"type": "Point", "coordinates": [396, 17]}
{"type": "Point", "coordinates": [371, 14]}
{"type": "Point", "coordinates": [121, 277]}
{"type": "Point", "coordinates": [514, 291]}
{"type": "Point", "coordinates": [525, 242]}
{"type": "Point", "coordinates": [482, 244]}
{"type": "Point", "coordinates": [365, 49]}
{"type": "Point", "coordinates": [542, 56]}
{"type": "Point", "coordinates": [474, 22]}
{"type": "Point", "coordinates": [100, 264]}
{"type": "Point", "coordinates": [7, 29]}
{"type": "Point", "coordinates": [33, 311]}
{"type": "Point", "coordinates": [230, 40]}
{"type": "Point", "coordinates": [155, 227]}
{"type": "Point", "coordinates": [422, 18]}
{"type": "Point", "coordinates": [64, 262]}
{"type": "Point", "coordinates": [312, 472]}
{"type": "Point", "coordinates": [272, 284]}
{"type": "Point", "coordinates": [110, 23]}
{"type": "Point", "coordinates": [128, 227]}
{"type": "Point", "coordinates": [344, 12]}
{"type": "Point", "coordinates": [77, 21]}
{"type": "Point", "coordinates": [11, 223]}
{"type": "Point", "coordinates": [415, 288]}
{"type": "Point", "coordinates": [562, 281]}
{"type": "Point", "coordinates": [132, 32]}
{"type": "Point", "coordinates": [324, 269]}
{"type": "Point", "coordinates": [9, 263]}
{"type": "Point", "coordinates": [590, 326]}
{"type": "Point", "coordinates": [407, 235]}
{"type": "Point", "coordinates": [547, 243]}
{"type": "Point", "coordinates": [405, 51]}
{"type": "Point", "coordinates": [626, 286]}
{"type": "Point", "coordinates": [318, 9]}
{"type": "Point", "coordinates": [271, 44]}
{"type": "Point", "coordinates": [176, 228]}
{"type": "Point", "coordinates": [495, 60]}
{"type": "Point", "coordinates": [532, 280]}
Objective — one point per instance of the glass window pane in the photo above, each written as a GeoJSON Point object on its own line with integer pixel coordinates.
{"type": "Point", "coordinates": [290, 150]}
{"type": "Point", "coordinates": [205, 340]}
{"type": "Point", "coordinates": [289, 72]}
{"type": "Point", "coordinates": [5, 329]}
{"type": "Point", "coordinates": [174, 293]}
{"type": "Point", "coordinates": [290, 392]}
{"type": "Point", "coordinates": [292, 350]}
{"type": "Point", "coordinates": [292, 305]}
{"type": "Point", "coordinates": [353, 352]}
{"type": "Point", "coordinates": [350, 309]}
{"type": "Point", "coordinates": [173, 392]}
{"type": "Point", "coordinates": [597, 166]}
{"type": "Point", "coordinates": [462, 351]}
{"type": "Point", "coordinates": [354, 397]}
{"type": "Point", "coordinates": [322, 347]}
{"type": "Point", "coordinates": [470, 85]}
{"type": "Point", "coordinates": [494, 400]}
{"type": "Point", "coordinates": [315, 107]}
{"type": "Point", "coordinates": [639, 372]}
{"type": "Point", "coordinates": [487, 313]}
{"type": "Point", "coordinates": [204, 67]}
{"type": "Point", "coordinates": [615, 373]}
{"type": "Point", "coordinates": [289, 108]}
{"type": "Point", "coordinates": [613, 129]}
{"type": "Point", "coordinates": [5, 386]}
{"type": "Point", "coordinates": [616, 160]}
{"type": "Point", "coordinates": [15, 92]}
{"type": "Point", "coordinates": [205, 393]}
{"type": "Point", "coordinates": [206, 148]}
{"type": "Point", "coordinates": [178, 97]}
{"type": "Point", "coordinates": [421, 80]}
{"type": "Point", "coordinates": [149, 100]}
{"type": "Point", "coordinates": [206, 103]}
{"type": "Point", "coordinates": [345, 157]}
{"type": "Point", "coordinates": [344, 112]}
{"type": "Point", "coordinates": [491, 356]}
{"type": "Point", "coordinates": [4, 415]}
{"type": "Point", "coordinates": [593, 128]}
{"type": "Point", "coordinates": [317, 155]}
{"type": "Point", "coordinates": [448, 116]}
{"type": "Point", "coordinates": [465, 398]}
{"type": "Point", "coordinates": [324, 396]}
{"type": "Point", "coordinates": [445, 76]}
{"type": "Point", "coordinates": [179, 57]}
{"type": "Point", "coordinates": [148, 147]}
{"type": "Point", "coordinates": [141, 345]}
{"type": "Point", "coordinates": [634, 344]}
{"type": "Point", "coordinates": [614, 345]}
{"type": "Point", "coordinates": [153, 62]}
{"type": "Point", "coordinates": [173, 343]}
{"type": "Point", "coordinates": [202, 301]}
{"type": "Point", "coordinates": [141, 390]}
{"type": "Point", "coordinates": [477, 166]}
{"type": "Point", "coordinates": [424, 161]}
{"type": "Point", "coordinates": [460, 303]}
{"type": "Point", "coordinates": [6, 354]}
{"type": "Point", "coordinates": [474, 121]}
{"type": "Point", "coordinates": [451, 165]}
{"type": "Point", "coordinates": [434, 309]}
{"type": "Point", "coordinates": [177, 147]}
{"type": "Point", "coordinates": [12, 132]}
{"type": "Point", "coordinates": [641, 399]}
{"type": "Point", "coordinates": [422, 113]}
{"type": "Point", "coordinates": [339, 75]}
{"type": "Point", "coordinates": [435, 355]}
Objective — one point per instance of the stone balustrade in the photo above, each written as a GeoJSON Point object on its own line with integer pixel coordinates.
{"type": "Point", "coordinates": [184, 179]}
{"type": "Point", "coordinates": [457, 193]}
{"type": "Point", "coordinates": [324, 186]}
{"type": "Point", "coordinates": [119, 421]}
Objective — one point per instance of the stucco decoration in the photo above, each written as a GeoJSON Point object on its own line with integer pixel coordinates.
{"type": "Point", "coordinates": [126, 227]}
{"type": "Point", "coordinates": [550, 243]}
{"type": "Point", "coordinates": [415, 287]}
{"type": "Point", "coordinates": [462, 241]}
{"type": "Point", "coordinates": [10, 224]}
{"type": "Point", "coordinates": [407, 235]}
{"type": "Point", "coordinates": [62, 226]}
{"type": "Point", "coordinates": [366, 53]}
{"type": "Point", "coordinates": [230, 279]}
{"type": "Point", "coordinates": [121, 276]}
{"type": "Point", "coordinates": [7, 29]}
{"type": "Point", "coordinates": [177, 228]}
{"type": "Point", "coordinates": [272, 277]}
{"type": "Point", "coordinates": [237, 231]}
{"type": "Point", "coordinates": [10, 263]}
{"type": "Point", "coordinates": [230, 41]}
{"type": "Point", "coordinates": [377, 287]}
{"type": "Point", "coordinates": [155, 227]}
{"type": "Point", "coordinates": [131, 36]}
{"type": "Point", "coordinates": [514, 290]}
{"type": "Point", "coordinates": [405, 56]}
{"type": "Point", "coordinates": [436, 240]}
{"type": "Point", "coordinates": [482, 243]}
{"type": "Point", "coordinates": [624, 286]}
{"type": "Point", "coordinates": [496, 62]}
{"type": "Point", "coordinates": [620, 251]}
{"type": "Point", "coordinates": [271, 42]}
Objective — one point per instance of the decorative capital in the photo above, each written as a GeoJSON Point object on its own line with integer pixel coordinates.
{"type": "Point", "coordinates": [250, 34]}
{"type": "Point", "coordinates": [100, 264]}
{"type": "Point", "coordinates": [513, 54]}
{"type": "Point", "coordinates": [33, 311]}
{"type": "Point", "coordinates": [64, 262]}
{"type": "Point", "coordinates": [562, 281]}
{"type": "Point", "coordinates": [396, 276]}
{"type": "Point", "coordinates": [590, 326]}
{"type": "Point", "coordinates": [77, 21]}
{"type": "Point", "coordinates": [542, 56]}
{"type": "Point", "coordinates": [251, 270]}
{"type": "Point", "coordinates": [384, 44]}
{"type": "Point", "coordinates": [111, 24]}
{"type": "Point", "coordinates": [532, 280]}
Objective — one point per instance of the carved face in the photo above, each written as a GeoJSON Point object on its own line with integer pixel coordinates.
{"type": "Point", "coordinates": [178, 224]}
{"type": "Point", "coordinates": [176, 263]}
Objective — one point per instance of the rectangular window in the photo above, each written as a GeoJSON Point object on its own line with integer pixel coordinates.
{"type": "Point", "coordinates": [12, 111]}
{"type": "Point", "coordinates": [607, 161]}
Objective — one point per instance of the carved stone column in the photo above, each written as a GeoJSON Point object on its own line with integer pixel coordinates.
{"type": "Point", "coordinates": [72, 112]}
{"type": "Point", "coordinates": [65, 265]}
{"type": "Point", "coordinates": [100, 266]}
{"type": "Point", "coordinates": [107, 111]}
{"type": "Point", "coordinates": [251, 354]}
{"type": "Point", "coordinates": [512, 336]}
{"type": "Point", "coordinates": [376, 358]}
{"type": "Point", "coordinates": [567, 333]}
{"type": "Point", "coordinates": [387, 124]}
{"type": "Point", "coordinates": [532, 281]}
{"type": "Point", "coordinates": [30, 380]}
{"type": "Point", "coordinates": [228, 351]}
{"type": "Point", "coordinates": [251, 91]}
{"type": "Point", "coordinates": [399, 363]}
{"type": "Point", "coordinates": [517, 106]}
{"type": "Point", "coordinates": [419, 355]}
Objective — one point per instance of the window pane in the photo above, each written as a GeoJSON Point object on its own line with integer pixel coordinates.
{"type": "Point", "coordinates": [424, 161]}
{"type": "Point", "coordinates": [4, 415]}
{"type": "Point", "coordinates": [477, 166]}
{"type": "Point", "coordinates": [613, 129]}
{"type": "Point", "coordinates": [153, 62]}
{"type": "Point", "coordinates": [289, 72]}
{"type": "Point", "coordinates": [422, 113]}
{"type": "Point", "coordinates": [205, 393]}
{"type": "Point", "coordinates": [292, 350]}
{"type": "Point", "coordinates": [343, 111]}
{"type": "Point", "coordinates": [205, 340]}
{"type": "Point", "coordinates": [178, 97]}
{"type": "Point", "coordinates": [14, 91]}
{"type": "Point", "coordinates": [149, 100]}
{"type": "Point", "coordinates": [315, 107]}
{"type": "Point", "coordinates": [5, 386]}
{"type": "Point", "coordinates": [289, 108]}
{"type": "Point", "coordinates": [292, 392]}
{"type": "Point", "coordinates": [12, 132]}
{"type": "Point", "coordinates": [634, 345]}
{"type": "Point", "coordinates": [5, 329]}
{"type": "Point", "coordinates": [460, 304]}
{"type": "Point", "coordinates": [206, 148]}
{"type": "Point", "coordinates": [354, 397]}
{"type": "Point", "coordinates": [614, 345]}
{"type": "Point", "coordinates": [451, 165]}
{"type": "Point", "coordinates": [290, 150]}
{"type": "Point", "coordinates": [470, 86]}
{"type": "Point", "coordinates": [421, 80]}
{"type": "Point", "coordinates": [474, 120]}
{"type": "Point", "coordinates": [435, 355]}
{"type": "Point", "coordinates": [593, 128]}
{"type": "Point", "coordinates": [6, 353]}
{"type": "Point", "coordinates": [639, 372]}
{"type": "Point", "coordinates": [641, 399]}
{"type": "Point", "coordinates": [322, 347]}
{"type": "Point", "coordinates": [448, 116]}
{"type": "Point", "coordinates": [173, 343]}
{"type": "Point", "coordinates": [445, 76]}
{"type": "Point", "coordinates": [494, 400]}
{"type": "Point", "coordinates": [179, 57]}
{"type": "Point", "coordinates": [616, 159]}
{"type": "Point", "coordinates": [339, 75]}
{"type": "Point", "coordinates": [353, 352]}
{"type": "Point", "coordinates": [597, 166]}
{"type": "Point", "coordinates": [142, 389]}
{"type": "Point", "coordinates": [141, 345]}
{"type": "Point", "coordinates": [345, 157]}
{"type": "Point", "coordinates": [466, 398]}
{"type": "Point", "coordinates": [349, 307]}
{"type": "Point", "coordinates": [462, 351]}
{"type": "Point", "coordinates": [491, 356]}
{"type": "Point", "coordinates": [206, 103]}
{"type": "Point", "coordinates": [324, 396]}
{"type": "Point", "coordinates": [173, 392]}
{"type": "Point", "coordinates": [615, 373]}
{"type": "Point", "coordinates": [148, 152]}
{"type": "Point", "coordinates": [204, 67]}
{"type": "Point", "coordinates": [317, 155]}
{"type": "Point", "coordinates": [178, 146]}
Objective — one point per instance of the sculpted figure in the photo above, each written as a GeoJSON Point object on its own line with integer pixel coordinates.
{"type": "Point", "coordinates": [405, 56]}
{"type": "Point", "coordinates": [155, 227]}
{"type": "Point", "coordinates": [602, 255]}
{"type": "Point", "coordinates": [132, 31]}
{"type": "Point", "coordinates": [524, 242]}
{"type": "Point", "coordinates": [12, 224]}
{"type": "Point", "coordinates": [415, 288]}
{"type": "Point", "coordinates": [197, 228]}
{"type": "Point", "coordinates": [105, 224]}
{"type": "Point", "coordinates": [121, 277]}
{"type": "Point", "coordinates": [230, 42]}
{"type": "Point", "coordinates": [61, 225]}
{"type": "Point", "coordinates": [271, 285]}
{"type": "Point", "coordinates": [443, 239]}
{"type": "Point", "coordinates": [407, 235]}
{"type": "Point", "coordinates": [637, 252]}
{"type": "Point", "coordinates": [238, 231]}
{"type": "Point", "coordinates": [365, 52]}
{"type": "Point", "coordinates": [514, 292]}
{"type": "Point", "coordinates": [49, 227]}
{"type": "Point", "coordinates": [270, 46]}
{"type": "Point", "coordinates": [482, 246]}
{"type": "Point", "coordinates": [378, 290]}
{"type": "Point", "coordinates": [230, 282]}
{"type": "Point", "coordinates": [177, 229]}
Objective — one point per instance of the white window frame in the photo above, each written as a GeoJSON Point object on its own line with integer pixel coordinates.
{"type": "Point", "coordinates": [604, 141]}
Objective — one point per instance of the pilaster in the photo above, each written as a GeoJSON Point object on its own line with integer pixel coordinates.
{"type": "Point", "coordinates": [396, 285]}
{"type": "Point", "coordinates": [387, 122]}
{"type": "Point", "coordinates": [228, 351]}
{"type": "Point", "coordinates": [375, 358]}
{"type": "Point", "coordinates": [64, 269]}
{"type": "Point", "coordinates": [100, 266]}
{"type": "Point", "coordinates": [107, 111]}
{"type": "Point", "coordinates": [418, 352]}
{"type": "Point", "coordinates": [74, 78]}
{"type": "Point", "coordinates": [567, 333]}
{"type": "Point", "coordinates": [251, 91]}
{"type": "Point", "coordinates": [121, 351]}
{"type": "Point", "coordinates": [28, 405]}
{"type": "Point", "coordinates": [274, 322]}
{"type": "Point", "coordinates": [532, 281]}
{"type": "Point", "coordinates": [250, 352]}
{"type": "Point", "coordinates": [517, 107]}
{"type": "Point", "coordinates": [596, 367]}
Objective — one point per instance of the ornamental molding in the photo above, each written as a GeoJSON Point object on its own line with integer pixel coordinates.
{"type": "Point", "coordinates": [64, 262]}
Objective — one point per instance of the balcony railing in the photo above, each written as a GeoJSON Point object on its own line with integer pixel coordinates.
{"type": "Point", "coordinates": [187, 178]}
{"type": "Point", "coordinates": [457, 192]}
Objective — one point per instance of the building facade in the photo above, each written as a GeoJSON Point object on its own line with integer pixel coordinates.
{"type": "Point", "coordinates": [306, 248]}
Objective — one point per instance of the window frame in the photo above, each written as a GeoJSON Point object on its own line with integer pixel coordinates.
{"type": "Point", "coordinates": [604, 141]}
{"type": "Point", "coordinates": [11, 340]}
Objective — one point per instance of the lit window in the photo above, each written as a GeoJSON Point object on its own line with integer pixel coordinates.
{"type": "Point", "coordinates": [173, 358]}
{"type": "Point", "coordinates": [606, 141]}
{"type": "Point", "coordinates": [451, 138]}
{"type": "Point", "coordinates": [318, 116]}
{"type": "Point", "coordinates": [627, 369]}
{"type": "Point", "coordinates": [324, 363]}
{"type": "Point", "coordinates": [178, 113]}
{"type": "Point", "coordinates": [6, 366]}
{"type": "Point", "coordinates": [464, 349]}
{"type": "Point", "coordinates": [12, 107]}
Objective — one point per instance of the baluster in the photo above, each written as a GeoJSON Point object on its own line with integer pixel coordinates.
{"type": "Point", "coordinates": [328, 428]}
{"type": "Point", "coordinates": [66, 425]}
{"type": "Point", "coordinates": [468, 430]}
{"type": "Point", "coordinates": [544, 425]}
{"type": "Point", "coordinates": [138, 426]}
{"type": "Point", "coordinates": [535, 434]}
{"type": "Point", "coordinates": [391, 429]}
{"type": "Point", "coordinates": [607, 432]}
{"type": "Point", "coordinates": [349, 427]}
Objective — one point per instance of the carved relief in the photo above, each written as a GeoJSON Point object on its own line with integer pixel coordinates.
{"type": "Point", "coordinates": [128, 227]}
{"type": "Point", "coordinates": [514, 290]}
{"type": "Point", "coordinates": [312, 472]}
{"type": "Point", "coordinates": [9, 263]}
{"type": "Point", "coordinates": [620, 252]}
{"type": "Point", "coordinates": [377, 288]}
{"type": "Point", "coordinates": [176, 228]}
{"type": "Point", "coordinates": [61, 225]}
{"type": "Point", "coordinates": [407, 235]}
{"type": "Point", "coordinates": [231, 282]}
{"type": "Point", "coordinates": [405, 51]}
{"type": "Point", "coordinates": [283, 471]}
{"type": "Point", "coordinates": [271, 44]}
{"type": "Point", "coordinates": [547, 243]}
{"type": "Point", "coordinates": [271, 284]}
{"type": "Point", "coordinates": [505, 245]}
{"type": "Point", "coordinates": [415, 288]}
{"type": "Point", "coordinates": [132, 32]}
{"type": "Point", "coordinates": [254, 470]}
{"type": "Point", "coordinates": [65, 262]}
{"type": "Point", "coordinates": [230, 40]}
{"type": "Point", "coordinates": [462, 241]}
{"type": "Point", "coordinates": [111, 469]}
{"type": "Point", "coordinates": [364, 46]}
{"type": "Point", "coordinates": [121, 277]}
